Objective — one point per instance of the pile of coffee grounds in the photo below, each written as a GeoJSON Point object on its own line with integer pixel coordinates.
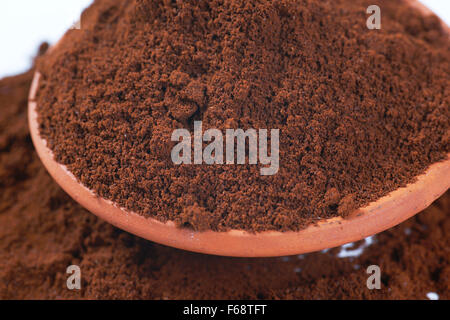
{"type": "Point", "coordinates": [43, 231]}
{"type": "Point", "coordinates": [361, 112]}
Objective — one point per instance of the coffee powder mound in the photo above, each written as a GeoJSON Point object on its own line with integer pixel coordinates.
{"type": "Point", "coordinates": [43, 231]}
{"type": "Point", "coordinates": [361, 112]}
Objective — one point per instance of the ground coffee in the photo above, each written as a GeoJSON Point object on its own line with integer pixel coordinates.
{"type": "Point", "coordinates": [361, 112]}
{"type": "Point", "coordinates": [43, 231]}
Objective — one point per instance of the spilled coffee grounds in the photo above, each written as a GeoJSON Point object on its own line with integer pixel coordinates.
{"type": "Point", "coordinates": [43, 231]}
{"type": "Point", "coordinates": [360, 112]}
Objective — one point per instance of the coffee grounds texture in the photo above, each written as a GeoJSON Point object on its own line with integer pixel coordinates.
{"type": "Point", "coordinates": [43, 231]}
{"type": "Point", "coordinates": [361, 112]}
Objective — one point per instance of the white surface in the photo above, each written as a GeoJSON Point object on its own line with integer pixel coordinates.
{"type": "Point", "coordinates": [440, 7]}
{"type": "Point", "coordinates": [348, 250]}
{"type": "Point", "coordinates": [432, 296]}
{"type": "Point", "coordinates": [24, 24]}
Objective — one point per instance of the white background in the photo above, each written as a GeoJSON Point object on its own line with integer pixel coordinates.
{"type": "Point", "coordinates": [24, 24]}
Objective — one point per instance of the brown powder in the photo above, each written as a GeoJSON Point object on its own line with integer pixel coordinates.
{"type": "Point", "coordinates": [361, 112]}
{"type": "Point", "coordinates": [43, 231]}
